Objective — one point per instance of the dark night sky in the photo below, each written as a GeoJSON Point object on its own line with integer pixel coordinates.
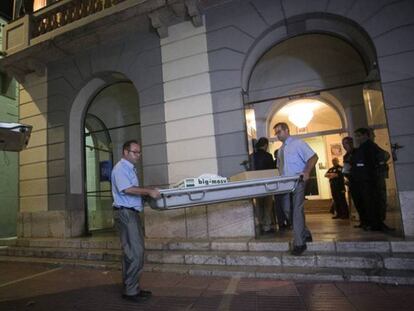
{"type": "Point", "coordinates": [6, 8]}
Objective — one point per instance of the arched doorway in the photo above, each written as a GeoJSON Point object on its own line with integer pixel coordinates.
{"type": "Point", "coordinates": [319, 68]}
{"type": "Point", "coordinates": [321, 126]}
{"type": "Point", "coordinates": [98, 162]}
{"type": "Point", "coordinates": [112, 118]}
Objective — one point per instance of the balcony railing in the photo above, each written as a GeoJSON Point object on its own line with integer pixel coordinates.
{"type": "Point", "coordinates": [66, 12]}
{"type": "Point", "coordinates": [22, 38]}
{"type": "Point", "coordinates": [60, 17]}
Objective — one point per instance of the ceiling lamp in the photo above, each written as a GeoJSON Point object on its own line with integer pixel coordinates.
{"type": "Point", "coordinates": [300, 115]}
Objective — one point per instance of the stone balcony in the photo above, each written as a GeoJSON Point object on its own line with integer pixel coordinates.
{"type": "Point", "coordinates": [68, 26]}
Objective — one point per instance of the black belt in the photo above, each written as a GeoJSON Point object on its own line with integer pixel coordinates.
{"type": "Point", "coordinates": [124, 207]}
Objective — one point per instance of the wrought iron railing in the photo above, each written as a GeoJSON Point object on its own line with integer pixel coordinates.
{"type": "Point", "coordinates": [66, 15]}
{"type": "Point", "coordinates": [65, 12]}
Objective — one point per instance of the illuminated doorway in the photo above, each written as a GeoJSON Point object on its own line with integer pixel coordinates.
{"type": "Point", "coordinates": [338, 92]}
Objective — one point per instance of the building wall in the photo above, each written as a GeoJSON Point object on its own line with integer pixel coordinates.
{"type": "Point", "coordinates": [52, 201]}
{"type": "Point", "coordinates": [239, 32]}
{"type": "Point", "coordinates": [177, 91]}
{"type": "Point", "coordinates": [191, 137]}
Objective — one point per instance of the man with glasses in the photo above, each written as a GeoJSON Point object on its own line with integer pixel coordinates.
{"type": "Point", "coordinates": [128, 205]}
{"type": "Point", "coordinates": [295, 157]}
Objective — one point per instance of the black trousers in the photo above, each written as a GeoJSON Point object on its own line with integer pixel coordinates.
{"type": "Point", "coordinates": [367, 201]}
{"type": "Point", "coordinates": [341, 207]}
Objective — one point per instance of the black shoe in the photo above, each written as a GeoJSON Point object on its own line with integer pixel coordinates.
{"type": "Point", "coordinates": [309, 239]}
{"type": "Point", "coordinates": [135, 298]}
{"type": "Point", "coordinates": [335, 217]}
{"type": "Point", "coordinates": [298, 250]}
{"type": "Point", "coordinates": [358, 226]}
{"type": "Point", "coordinates": [145, 293]}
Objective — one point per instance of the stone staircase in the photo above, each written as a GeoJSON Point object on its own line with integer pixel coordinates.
{"type": "Point", "coordinates": [373, 261]}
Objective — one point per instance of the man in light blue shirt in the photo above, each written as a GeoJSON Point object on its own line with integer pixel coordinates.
{"type": "Point", "coordinates": [127, 207]}
{"type": "Point", "coordinates": [295, 157]}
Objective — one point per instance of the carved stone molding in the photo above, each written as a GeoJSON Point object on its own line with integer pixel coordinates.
{"type": "Point", "coordinates": [194, 12]}
{"type": "Point", "coordinates": [160, 26]}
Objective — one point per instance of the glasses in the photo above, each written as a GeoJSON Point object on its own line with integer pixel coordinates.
{"type": "Point", "coordinates": [134, 152]}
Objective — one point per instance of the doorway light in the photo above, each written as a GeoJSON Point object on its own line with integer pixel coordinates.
{"type": "Point", "coordinates": [300, 117]}
{"type": "Point", "coordinates": [300, 112]}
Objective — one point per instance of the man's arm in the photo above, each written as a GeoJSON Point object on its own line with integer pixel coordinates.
{"type": "Point", "coordinates": [153, 193]}
{"type": "Point", "coordinates": [309, 166]}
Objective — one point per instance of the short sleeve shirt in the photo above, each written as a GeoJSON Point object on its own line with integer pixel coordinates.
{"type": "Point", "coordinates": [295, 155]}
{"type": "Point", "coordinates": [124, 177]}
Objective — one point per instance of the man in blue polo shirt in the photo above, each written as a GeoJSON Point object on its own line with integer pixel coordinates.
{"type": "Point", "coordinates": [295, 157]}
{"type": "Point", "coordinates": [128, 205]}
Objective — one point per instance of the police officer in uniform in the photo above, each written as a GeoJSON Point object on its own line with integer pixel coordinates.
{"type": "Point", "coordinates": [336, 181]}
{"type": "Point", "coordinates": [348, 144]}
{"type": "Point", "coordinates": [364, 174]}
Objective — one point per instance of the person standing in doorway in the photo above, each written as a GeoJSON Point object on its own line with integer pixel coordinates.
{"type": "Point", "coordinates": [382, 170]}
{"type": "Point", "coordinates": [336, 181]}
{"type": "Point", "coordinates": [348, 144]}
{"type": "Point", "coordinates": [127, 195]}
{"type": "Point", "coordinates": [295, 157]}
{"type": "Point", "coordinates": [263, 160]}
{"type": "Point", "coordinates": [364, 175]}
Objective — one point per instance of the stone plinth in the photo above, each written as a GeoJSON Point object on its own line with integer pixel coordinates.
{"type": "Point", "coordinates": [230, 219]}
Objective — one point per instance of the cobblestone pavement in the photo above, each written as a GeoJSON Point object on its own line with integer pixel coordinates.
{"type": "Point", "coordinates": [26, 286]}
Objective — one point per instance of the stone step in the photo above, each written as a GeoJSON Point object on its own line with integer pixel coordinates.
{"type": "Point", "coordinates": [284, 259]}
{"type": "Point", "coordinates": [106, 255]}
{"type": "Point", "coordinates": [236, 244]}
{"type": "Point", "coordinates": [397, 261]}
{"type": "Point", "coordinates": [396, 277]}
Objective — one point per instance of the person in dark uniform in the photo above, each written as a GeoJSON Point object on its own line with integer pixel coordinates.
{"type": "Point", "coordinates": [263, 160]}
{"type": "Point", "coordinates": [348, 144]}
{"type": "Point", "coordinates": [382, 168]}
{"type": "Point", "coordinates": [382, 173]}
{"type": "Point", "coordinates": [336, 181]}
{"type": "Point", "coordinates": [364, 174]}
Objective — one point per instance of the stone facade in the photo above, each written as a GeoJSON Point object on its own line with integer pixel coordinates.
{"type": "Point", "coordinates": [192, 85]}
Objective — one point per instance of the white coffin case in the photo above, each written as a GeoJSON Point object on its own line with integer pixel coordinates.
{"type": "Point", "coordinates": [232, 191]}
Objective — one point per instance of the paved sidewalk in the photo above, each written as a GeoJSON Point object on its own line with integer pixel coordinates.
{"type": "Point", "coordinates": [38, 287]}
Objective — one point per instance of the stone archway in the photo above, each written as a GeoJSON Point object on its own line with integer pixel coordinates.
{"type": "Point", "coordinates": [324, 23]}
{"type": "Point", "coordinates": [307, 77]}
{"type": "Point", "coordinates": [76, 142]}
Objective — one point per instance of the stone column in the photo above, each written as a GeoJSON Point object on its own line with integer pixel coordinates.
{"type": "Point", "coordinates": [191, 140]}
{"type": "Point", "coordinates": [35, 219]}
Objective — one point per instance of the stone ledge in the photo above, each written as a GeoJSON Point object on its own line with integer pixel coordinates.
{"type": "Point", "coordinates": [236, 244]}
{"type": "Point", "coordinates": [396, 277]}
{"type": "Point", "coordinates": [368, 246]}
